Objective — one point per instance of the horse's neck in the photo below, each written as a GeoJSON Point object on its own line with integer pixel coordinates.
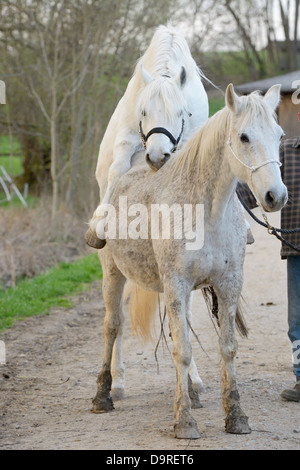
{"type": "Point", "coordinates": [210, 177]}
{"type": "Point", "coordinates": [222, 186]}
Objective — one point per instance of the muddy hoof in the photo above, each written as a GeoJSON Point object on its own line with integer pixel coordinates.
{"type": "Point", "coordinates": [187, 431]}
{"type": "Point", "coordinates": [93, 241]}
{"type": "Point", "coordinates": [195, 400]}
{"type": "Point", "coordinates": [237, 425]}
{"type": "Point", "coordinates": [102, 405]}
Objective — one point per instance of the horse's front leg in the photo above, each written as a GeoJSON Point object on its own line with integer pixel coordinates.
{"type": "Point", "coordinates": [176, 298]}
{"type": "Point", "coordinates": [236, 422]}
{"type": "Point", "coordinates": [95, 236]}
{"type": "Point", "coordinates": [112, 287]}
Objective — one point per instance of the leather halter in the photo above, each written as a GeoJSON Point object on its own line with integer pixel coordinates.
{"type": "Point", "coordinates": [161, 130]}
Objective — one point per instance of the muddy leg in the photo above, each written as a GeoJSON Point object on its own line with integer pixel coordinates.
{"type": "Point", "coordinates": [117, 367]}
{"type": "Point", "coordinates": [236, 422]}
{"type": "Point", "coordinates": [196, 387]}
{"type": "Point", "coordinates": [176, 300]}
{"type": "Point", "coordinates": [95, 236]}
{"type": "Point", "coordinates": [113, 283]}
{"type": "Point", "coordinates": [194, 396]}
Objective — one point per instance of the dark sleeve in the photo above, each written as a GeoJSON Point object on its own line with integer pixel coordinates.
{"type": "Point", "coordinates": [245, 194]}
{"type": "Point", "coordinates": [281, 158]}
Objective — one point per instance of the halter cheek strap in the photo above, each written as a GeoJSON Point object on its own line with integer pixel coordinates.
{"type": "Point", "coordinates": [161, 130]}
{"type": "Point", "coordinates": [253, 168]}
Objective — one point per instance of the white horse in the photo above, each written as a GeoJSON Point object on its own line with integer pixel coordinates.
{"type": "Point", "coordinates": [164, 103]}
{"type": "Point", "coordinates": [239, 142]}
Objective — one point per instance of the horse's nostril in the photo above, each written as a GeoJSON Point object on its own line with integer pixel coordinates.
{"type": "Point", "coordinates": [270, 199]}
{"type": "Point", "coordinates": [153, 166]}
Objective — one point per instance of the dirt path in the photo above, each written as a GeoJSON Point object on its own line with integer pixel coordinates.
{"type": "Point", "coordinates": [52, 362]}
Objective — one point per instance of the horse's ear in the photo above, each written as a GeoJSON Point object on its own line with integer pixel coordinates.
{"type": "Point", "coordinates": [273, 96]}
{"type": "Point", "coordinates": [232, 99]}
{"type": "Point", "coordinates": [181, 78]}
{"type": "Point", "coordinates": [146, 76]}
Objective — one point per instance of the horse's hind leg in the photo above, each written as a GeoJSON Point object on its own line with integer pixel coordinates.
{"type": "Point", "coordinates": [196, 385]}
{"type": "Point", "coordinates": [113, 284]}
{"type": "Point", "coordinates": [236, 422]}
{"type": "Point", "coordinates": [117, 366]}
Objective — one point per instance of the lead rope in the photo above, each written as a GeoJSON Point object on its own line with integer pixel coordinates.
{"type": "Point", "coordinates": [271, 230]}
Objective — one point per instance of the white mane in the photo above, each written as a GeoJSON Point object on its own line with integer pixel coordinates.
{"type": "Point", "coordinates": [167, 53]}
{"type": "Point", "coordinates": [215, 131]}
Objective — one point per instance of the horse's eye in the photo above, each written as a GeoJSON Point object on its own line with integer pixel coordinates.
{"type": "Point", "coordinates": [244, 138]}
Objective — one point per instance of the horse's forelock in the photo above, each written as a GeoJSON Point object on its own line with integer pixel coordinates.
{"type": "Point", "coordinates": [169, 94]}
{"type": "Point", "coordinates": [254, 107]}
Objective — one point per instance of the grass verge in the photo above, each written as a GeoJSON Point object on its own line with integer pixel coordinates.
{"type": "Point", "coordinates": [36, 296]}
{"type": "Point", "coordinates": [13, 163]}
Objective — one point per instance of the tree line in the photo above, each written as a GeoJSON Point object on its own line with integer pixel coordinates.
{"type": "Point", "coordinates": [66, 64]}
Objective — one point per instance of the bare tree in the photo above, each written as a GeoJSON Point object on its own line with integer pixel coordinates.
{"type": "Point", "coordinates": [69, 63]}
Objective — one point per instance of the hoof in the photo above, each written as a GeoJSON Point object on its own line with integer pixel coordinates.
{"type": "Point", "coordinates": [102, 406]}
{"type": "Point", "coordinates": [237, 425]}
{"type": "Point", "coordinates": [93, 241]}
{"type": "Point", "coordinates": [117, 394]}
{"type": "Point", "coordinates": [194, 394]}
{"type": "Point", "coordinates": [186, 432]}
{"type": "Point", "coordinates": [196, 404]}
{"type": "Point", "coordinates": [250, 238]}
{"type": "Point", "coordinates": [195, 400]}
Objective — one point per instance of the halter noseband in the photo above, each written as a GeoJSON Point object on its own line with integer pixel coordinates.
{"type": "Point", "coordinates": [161, 130]}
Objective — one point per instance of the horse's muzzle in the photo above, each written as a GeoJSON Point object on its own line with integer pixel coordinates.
{"type": "Point", "coordinates": [156, 165]}
{"type": "Point", "coordinates": [274, 202]}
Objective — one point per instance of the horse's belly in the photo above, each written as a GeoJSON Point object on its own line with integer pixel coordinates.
{"type": "Point", "coordinates": [137, 263]}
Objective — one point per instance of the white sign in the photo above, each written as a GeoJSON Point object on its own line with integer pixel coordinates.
{"type": "Point", "coordinates": [2, 93]}
{"type": "Point", "coordinates": [296, 94]}
{"type": "Point", "coordinates": [2, 353]}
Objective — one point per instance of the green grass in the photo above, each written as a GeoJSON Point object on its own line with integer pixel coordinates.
{"type": "Point", "coordinates": [52, 289]}
{"type": "Point", "coordinates": [215, 105]}
{"type": "Point", "coordinates": [32, 201]}
{"type": "Point", "coordinates": [13, 163]}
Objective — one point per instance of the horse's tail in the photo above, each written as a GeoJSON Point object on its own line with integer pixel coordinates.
{"type": "Point", "coordinates": [142, 307]}
{"type": "Point", "coordinates": [211, 300]}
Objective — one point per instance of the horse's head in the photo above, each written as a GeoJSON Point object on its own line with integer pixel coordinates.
{"type": "Point", "coordinates": [162, 115]}
{"type": "Point", "coordinates": [254, 139]}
